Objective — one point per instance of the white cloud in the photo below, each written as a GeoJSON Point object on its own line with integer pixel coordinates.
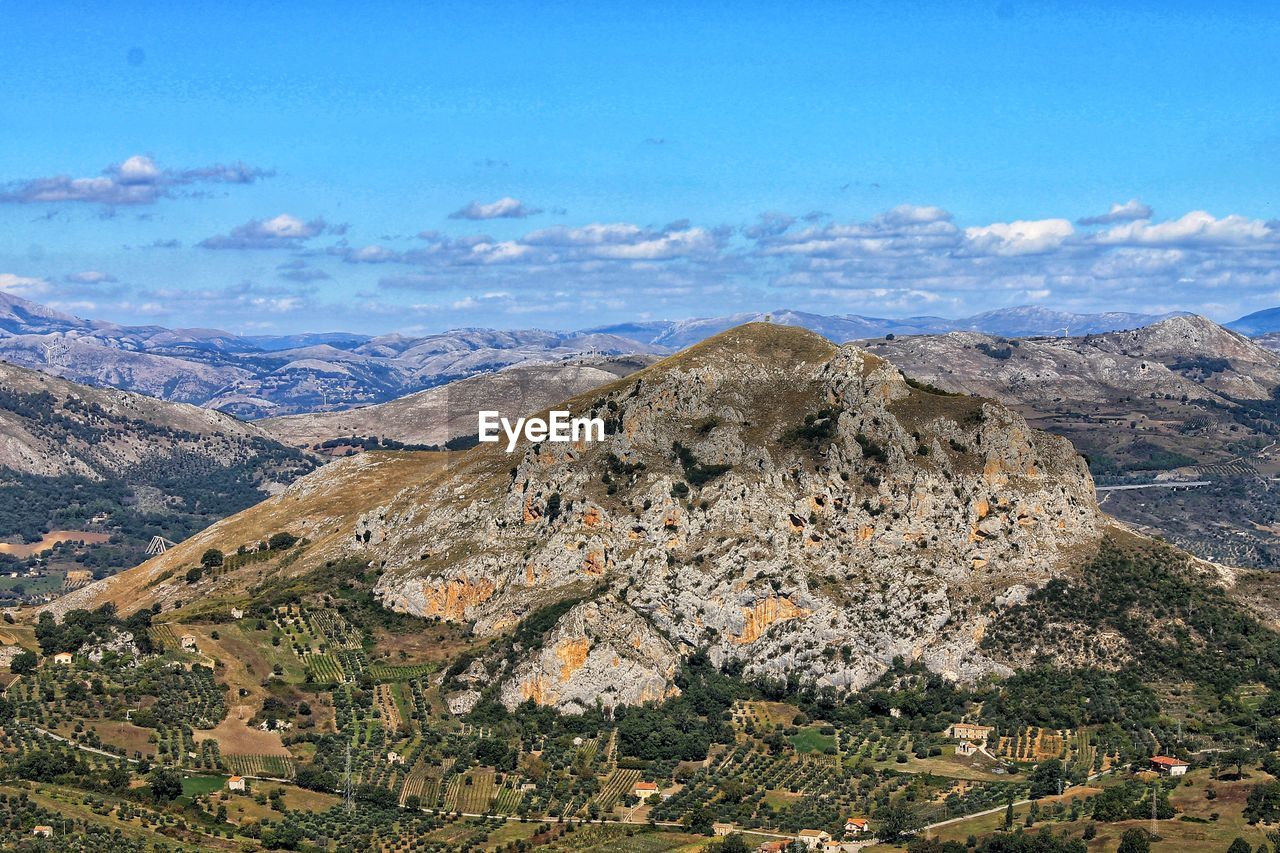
{"type": "Point", "coordinates": [1130, 211]}
{"type": "Point", "coordinates": [136, 181]}
{"type": "Point", "coordinates": [138, 169]}
{"type": "Point", "coordinates": [90, 277]}
{"type": "Point", "coordinates": [911, 214]}
{"type": "Point", "coordinates": [1021, 237]}
{"type": "Point", "coordinates": [24, 286]}
{"type": "Point", "coordinates": [504, 208]}
{"type": "Point", "coordinates": [1195, 228]}
{"type": "Point", "coordinates": [278, 232]}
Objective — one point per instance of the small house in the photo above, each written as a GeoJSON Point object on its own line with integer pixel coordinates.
{"type": "Point", "coordinates": [62, 658]}
{"type": "Point", "coordinates": [722, 829]}
{"type": "Point", "coordinates": [394, 757]}
{"type": "Point", "coordinates": [857, 825]}
{"type": "Point", "coordinates": [965, 747]}
{"type": "Point", "coordinates": [813, 838]}
{"type": "Point", "coordinates": [644, 790]}
{"type": "Point", "coordinates": [188, 643]}
{"type": "Point", "coordinates": [237, 613]}
{"type": "Point", "coordinates": [969, 731]}
{"type": "Point", "coordinates": [42, 831]}
{"type": "Point", "coordinates": [235, 783]}
{"type": "Point", "coordinates": [772, 847]}
{"type": "Point", "coordinates": [1167, 766]}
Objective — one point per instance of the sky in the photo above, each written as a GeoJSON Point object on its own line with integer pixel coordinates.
{"type": "Point", "coordinates": [274, 167]}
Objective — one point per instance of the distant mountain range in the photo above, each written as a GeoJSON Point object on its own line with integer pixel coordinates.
{"type": "Point", "coordinates": [260, 376]}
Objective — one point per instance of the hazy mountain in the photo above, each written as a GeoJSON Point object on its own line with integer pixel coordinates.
{"type": "Point", "coordinates": [1033, 320]}
{"type": "Point", "coordinates": [340, 340]}
{"type": "Point", "coordinates": [1258, 323]}
{"type": "Point", "coordinates": [1023, 321]}
{"type": "Point", "coordinates": [273, 375]}
{"type": "Point", "coordinates": [19, 317]}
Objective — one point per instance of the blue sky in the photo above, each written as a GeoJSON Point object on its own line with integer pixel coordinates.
{"type": "Point", "coordinates": [417, 167]}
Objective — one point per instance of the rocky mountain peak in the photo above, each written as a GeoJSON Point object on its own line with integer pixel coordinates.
{"type": "Point", "coordinates": [802, 509]}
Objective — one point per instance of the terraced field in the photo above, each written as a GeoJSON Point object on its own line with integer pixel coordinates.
{"type": "Point", "coordinates": [273, 766]}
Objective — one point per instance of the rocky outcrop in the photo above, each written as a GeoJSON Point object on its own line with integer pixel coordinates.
{"type": "Point", "coordinates": [600, 651]}
{"type": "Point", "coordinates": [799, 510]}
{"type": "Point", "coordinates": [879, 528]}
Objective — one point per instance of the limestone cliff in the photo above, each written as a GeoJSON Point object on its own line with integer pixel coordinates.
{"type": "Point", "coordinates": [878, 528]}
{"type": "Point", "coordinates": [799, 508]}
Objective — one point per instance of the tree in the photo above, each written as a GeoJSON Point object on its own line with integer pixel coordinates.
{"type": "Point", "coordinates": [117, 778]}
{"type": "Point", "coordinates": [23, 662]}
{"type": "Point", "coordinates": [166, 784]}
{"type": "Point", "coordinates": [732, 844]}
{"type": "Point", "coordinates": [281, 541]}
{"type": "Point", "coordinates": [1239, 846]}
{"type": "Point", "coordinates": [1134, 841]}
{"type": "Point", "coordinates": [194, 574]}
{"type": "Point", "coordinates": [895, 821]}
{"type": "Point", "coordinates": [212, 558]}
{"type": "Point", "coordinates": [1046, 778]}
{"type": "Point", "coordinates": [1238, 757]}
{"type": "Point", "coordinates": [1263, 803]}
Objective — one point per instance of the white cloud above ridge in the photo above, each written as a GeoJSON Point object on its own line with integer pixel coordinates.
{"type": "Point", "coordinates": [24, 286]}
{"type": "Point", "coordinates": [1195, 228]}
{"type": "Point", "coordinates": [907, 259]}
{"type": "Point", "coordinates": [1021, 237]}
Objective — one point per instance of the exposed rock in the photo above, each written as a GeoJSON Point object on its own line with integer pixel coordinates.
{"type": "Point", "coordinates": [775, 501]}
{"type": "Point", "coordinates": [462, 702]}
{"type": "Point", "coordinates": [600, 651]}
{"type": "Point", "coordinates": [826, 563]}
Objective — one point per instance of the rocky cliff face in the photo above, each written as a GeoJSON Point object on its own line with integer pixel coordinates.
{"type": "Point", "coordinates": [777, 501]}
{"type": "Point", "coordinates": [781, 502]}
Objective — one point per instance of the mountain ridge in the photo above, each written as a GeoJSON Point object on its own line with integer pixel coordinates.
{"type": "Point", "coordinates": [263, 376]}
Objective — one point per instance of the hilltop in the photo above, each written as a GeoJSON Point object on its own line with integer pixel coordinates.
{"type": "Point", "coordinates": [755, 494]}
{"type": "Point", "coordinates": [791, 585]}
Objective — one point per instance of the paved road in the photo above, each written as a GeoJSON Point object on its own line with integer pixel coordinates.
{"type": "Point", "coordinates": [1172, 484]}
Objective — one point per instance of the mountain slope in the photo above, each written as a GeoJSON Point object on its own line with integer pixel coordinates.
{"type": "Point", "coordinates": [437, 415]}
{"type": "Point", "coordinates": [796, 507]}
{"type": "Point", "coordinates": [1183, 396]}
{"type": "Point", "coordinates": [140, 466]}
